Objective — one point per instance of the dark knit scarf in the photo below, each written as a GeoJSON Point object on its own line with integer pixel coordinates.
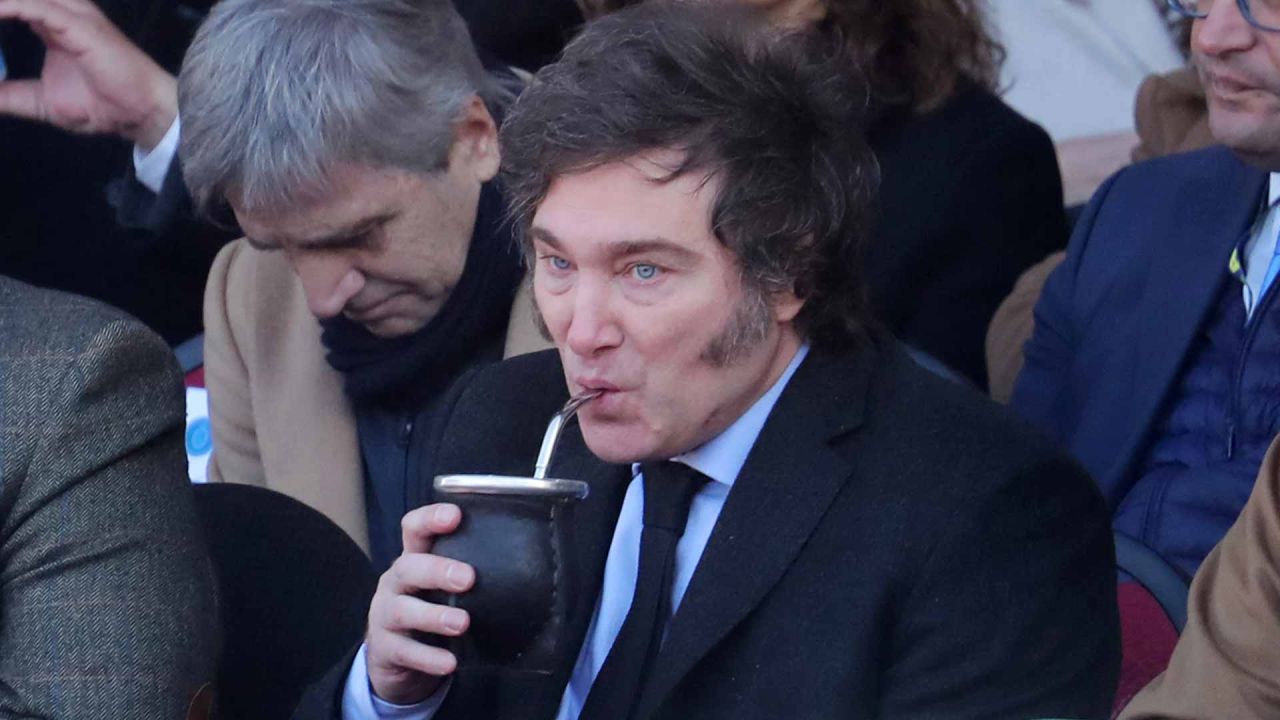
{"type": "Point", "coordinates": [404, 373]}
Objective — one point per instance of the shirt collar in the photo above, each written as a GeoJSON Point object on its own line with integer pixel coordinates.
{"type": "Point", "coordinates": [721, 458]}
{"type": "Point", "coordinates": [1273, 189]}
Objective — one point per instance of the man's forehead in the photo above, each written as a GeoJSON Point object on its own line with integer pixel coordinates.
{"type": "Point", "coordinates": [618, 246]}
{"type": "Point", "coordinates": [657, 169]}
{"type": "Point", "coordinates": [635, 205]}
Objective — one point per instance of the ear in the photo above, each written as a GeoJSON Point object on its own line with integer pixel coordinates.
{"type": "Point", "coordinates": [786, 306]}
{"type": "Point", "coordinates": [475, 142]}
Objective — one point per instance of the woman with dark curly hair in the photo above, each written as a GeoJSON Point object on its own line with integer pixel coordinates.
{"type": "Point", "coordinates": [970, 192]}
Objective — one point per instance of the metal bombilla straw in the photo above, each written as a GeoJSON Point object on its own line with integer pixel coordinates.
{"type": "Point", "coordinates": [554, 428]}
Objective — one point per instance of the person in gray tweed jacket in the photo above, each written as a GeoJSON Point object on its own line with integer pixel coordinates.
{"type": "Point", "coordinates": [107, 605]}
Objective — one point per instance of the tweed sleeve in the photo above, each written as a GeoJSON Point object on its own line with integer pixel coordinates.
{"type": "Point", "coordinates": [107, 592]}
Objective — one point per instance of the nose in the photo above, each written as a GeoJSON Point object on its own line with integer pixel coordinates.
{"type": "Point", "coordinates": [329, 282]}
{"type": "Point", "coordinates": [1224, 30]}
{"type": "Point", "coordinates": [593, 327]}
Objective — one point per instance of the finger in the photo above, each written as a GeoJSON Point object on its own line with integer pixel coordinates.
{"type": "Point", "coordinates": [419, 527]}
{"type": "Point", "coordinates": [412, 573]}
{"type": "Point", "coordinates": [54, 24]}
{"type": "Point", "coordinates": [79, 7]}
{"type": "Point", "coordinates": [53, 15]}
{"type": "Point", "coordinates": [407, 613]}
{"type": "Point", "coordinates": [398, 651]}
{"type": "Point", "coordinates": [21, 98]}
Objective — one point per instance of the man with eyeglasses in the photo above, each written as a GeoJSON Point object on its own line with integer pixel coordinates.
{"type": "Point", "coordinates": [1224, 663]}
{"type": "Point", "coordinates": [1156, 352]}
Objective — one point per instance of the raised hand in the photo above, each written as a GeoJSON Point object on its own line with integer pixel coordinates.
{"type": "Point", "coordinates": [94, 80]}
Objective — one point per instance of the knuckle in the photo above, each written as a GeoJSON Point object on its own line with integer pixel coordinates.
{"type": "Point", "coordinates": [417, 520]}
{"type": "Point", "coordinates": [427, 570]}
{"type": "Point", "coordinates": [401, 616]}
{"type": "Point", "coordinates": [388, 578]}
{"type": "Point", "coordinates": [394, 578]}
{"type": "Point", "coordinates": [408, 569]}
{"type": "Point", "coordinates": [398, 656]}
{"type": "Point", "coordinates": [419, 571]}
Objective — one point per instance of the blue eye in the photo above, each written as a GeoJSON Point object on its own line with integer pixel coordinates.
{"type": "Point", "coordinates": [558, 262]}
{"type": "Point", "coordinates": [643, 271]}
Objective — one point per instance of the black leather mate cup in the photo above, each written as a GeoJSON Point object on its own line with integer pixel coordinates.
{"type": "Point", "coordinates": [515, 533]}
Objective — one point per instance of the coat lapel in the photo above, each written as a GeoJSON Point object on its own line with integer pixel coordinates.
{"type": "Point", "coordinates": [790, 478]}
{"type": "Point", "coordinates": [1187, 272]}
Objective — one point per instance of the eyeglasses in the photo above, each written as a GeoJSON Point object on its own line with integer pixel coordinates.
{"type": "Point", "coordinates": [1262, 14]}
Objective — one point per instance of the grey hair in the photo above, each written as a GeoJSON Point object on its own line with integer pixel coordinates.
{"type": "Point", "coordinates": [275, 93]}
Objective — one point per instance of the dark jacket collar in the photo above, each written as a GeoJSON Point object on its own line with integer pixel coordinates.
{"type": "Point", "coordinates": [825, 400]}
{"type": "Point", "coordinates": [793, 465]}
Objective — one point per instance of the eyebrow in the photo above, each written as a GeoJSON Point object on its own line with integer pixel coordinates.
{"type": "Point", "coordinates": [622, 248]}
{"type": "Point", "coordinates": [342, 237]}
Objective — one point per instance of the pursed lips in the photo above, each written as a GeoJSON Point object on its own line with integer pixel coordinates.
{"type": "Point", "coordinates": [595, 385]}
{"type": "Point", "coordinates": [610, 394]}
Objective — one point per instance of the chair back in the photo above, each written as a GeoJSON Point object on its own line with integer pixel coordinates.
{"type": "Point", "coordinates": [294, 593]}
{"type": "Point", "coordinates": [199, 434]}
{"type": "Point", "coordinates": [1152, 598]}
{"type": "Point", "coordinates": [190, 355]}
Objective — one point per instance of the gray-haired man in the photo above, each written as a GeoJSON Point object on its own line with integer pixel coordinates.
{"type": "Point", "coordinates": [358, 139]}
{"type": "Point", "coordinates": [354, 142]}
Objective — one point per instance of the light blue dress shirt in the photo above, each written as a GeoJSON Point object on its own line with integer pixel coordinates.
{"type": "Point", "coordinates": [1260, 250]}
{"type": "Point", "coordinates": [720, 459]}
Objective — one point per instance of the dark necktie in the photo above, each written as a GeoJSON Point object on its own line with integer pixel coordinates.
{"type": "Point", "coordinates": [669, 488]}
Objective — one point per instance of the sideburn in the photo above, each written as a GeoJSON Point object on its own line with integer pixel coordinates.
{"type": "Point", "coordinates": [746, 328]}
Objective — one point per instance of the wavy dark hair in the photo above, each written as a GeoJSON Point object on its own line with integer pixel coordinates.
{"type": "Point", "coordinates": [914, 53]}
{"type": "Point", "coordinates": [774, 118]}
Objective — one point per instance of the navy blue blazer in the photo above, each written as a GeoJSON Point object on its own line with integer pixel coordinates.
{"type": "Point", "coordinates": [1119, 315]}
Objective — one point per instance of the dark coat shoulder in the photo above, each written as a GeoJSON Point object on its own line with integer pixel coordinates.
{"type": "Point", "coordinates": [970, 196]}
{"type": "Point", "coordinates": [499, 414]}
{"type": "Point", "coordinates": [37, 318]}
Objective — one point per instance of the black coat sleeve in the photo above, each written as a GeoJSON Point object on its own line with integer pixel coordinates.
{"type": "Point", "coordinates": [970, 198]}
{"type": "Point", "coordinates": [1027, 572]}
{"type": "Point", "coordinates": [168, 215]}
{"type": "Point", "coordinates": [1007, 205]}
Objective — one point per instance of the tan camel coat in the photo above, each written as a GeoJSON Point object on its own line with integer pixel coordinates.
{"type": "Point", "coordinates": [280, 419]}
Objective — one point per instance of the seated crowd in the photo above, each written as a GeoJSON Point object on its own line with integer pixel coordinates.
{"type": "Point", "coordinates": [779, 256]}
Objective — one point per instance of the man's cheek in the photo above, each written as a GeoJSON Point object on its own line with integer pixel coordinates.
{"type": "Point", "coordinates": [541, 325]}
{"type": "Point", "coordinates": [546, 319]}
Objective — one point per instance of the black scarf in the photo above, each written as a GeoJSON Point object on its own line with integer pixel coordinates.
{"type": "Point", "coordinates": [404, 373]}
